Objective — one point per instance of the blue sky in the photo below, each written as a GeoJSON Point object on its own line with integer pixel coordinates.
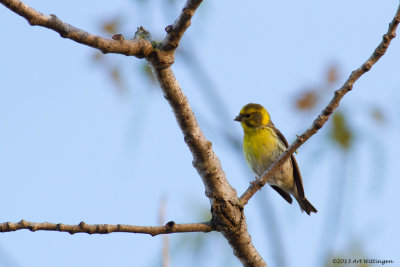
{"type": "Point", "coordinates": [72, 148]}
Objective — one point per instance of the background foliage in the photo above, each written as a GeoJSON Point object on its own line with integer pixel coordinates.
{"type": "Point", "coordinates": [86, 136]}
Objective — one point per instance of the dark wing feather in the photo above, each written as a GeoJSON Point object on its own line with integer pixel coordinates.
{"type": "Point", "coordinates": [283, 193]}
{"type": "Point", "coordinates": [297, 177]}
{"type": "Point", "coordinates": [296, 170]}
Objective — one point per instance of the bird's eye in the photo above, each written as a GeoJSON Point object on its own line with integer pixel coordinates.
{"type": "Point", "coordinates": [246, 115]}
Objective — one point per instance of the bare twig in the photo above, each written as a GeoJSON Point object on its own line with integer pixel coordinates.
{"type": "Point", "coordinates": [176, 30]}
{"type": "Point", "coordinates": [170, 227]}
{"type": "Point", "coordinates": [328, 110]}
{"type": "Point", "coordinates": [134, 47]}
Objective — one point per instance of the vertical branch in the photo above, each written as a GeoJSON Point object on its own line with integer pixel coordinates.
{"type": "Point", "coordinates": [227, 211]}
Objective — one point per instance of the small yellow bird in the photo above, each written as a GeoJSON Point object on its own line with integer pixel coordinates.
{"type": "Point", "coordinates": [262, 145]}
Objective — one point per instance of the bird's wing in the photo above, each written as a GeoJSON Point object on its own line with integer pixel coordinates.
{"type": "Point", "coordinates": [283, 193]}
{"type": "Point", "coordinates": [297, 177]}
{"type": "Point", "coordinates": [296, 170]}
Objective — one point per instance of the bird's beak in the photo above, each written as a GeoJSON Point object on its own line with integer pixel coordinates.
{"type": "Point", "coordinates": [239, 118]}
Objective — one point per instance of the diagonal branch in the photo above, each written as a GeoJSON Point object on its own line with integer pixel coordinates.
{"type": "Point", "coordinates": [227, 213]}
{"type": "Point", "coordinates": [328, 110]}
{"type": "Point", "coordinates": [176, 30]}
{"type": "Point", "coordinates": [134, 47]}
{"type": "Point", "coordinates": [170, 227]}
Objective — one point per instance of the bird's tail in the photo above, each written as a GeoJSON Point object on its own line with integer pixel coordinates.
{"type": "Point", "coordinates": [306, 206]}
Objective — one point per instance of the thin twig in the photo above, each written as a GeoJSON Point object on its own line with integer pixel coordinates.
{"type": "Point", "coordinates": [176, 30]}
{"type": "Point", "coordinates": [170, 227]}
{"type": "Point", "coordinates": [328, 110]}
{"type": "Point", "coordinates": [135, 47]}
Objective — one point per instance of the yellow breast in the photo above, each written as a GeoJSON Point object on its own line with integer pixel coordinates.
{"type": "Point", "coordinates": [260, 147]}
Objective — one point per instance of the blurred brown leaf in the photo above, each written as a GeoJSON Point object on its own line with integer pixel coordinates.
{"type": "Point", "coordinates": [115, 75]}
{"type": "Point", "coordinates": [332, 74]}
{"type": "Point", "coordinates": [307, 100]}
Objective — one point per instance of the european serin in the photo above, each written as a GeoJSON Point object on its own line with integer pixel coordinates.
{"type": "Point", "coordinates": [262, 145]}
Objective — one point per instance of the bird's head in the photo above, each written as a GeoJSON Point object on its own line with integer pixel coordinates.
{"type": "Point", "coordinates": [253, 116]}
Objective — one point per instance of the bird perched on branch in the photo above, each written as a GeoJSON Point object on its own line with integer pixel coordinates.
{"type": "Point", "coordinates": [262, 146]}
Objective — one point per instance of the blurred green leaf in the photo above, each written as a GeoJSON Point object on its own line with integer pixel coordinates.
{"type": "Point", "coordinates": [340, 131]}
{"type": "Point", "coordinates": [112, 26]}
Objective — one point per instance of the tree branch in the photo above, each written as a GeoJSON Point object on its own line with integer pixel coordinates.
{"type": "Point", "coordinates": [328, 110]}
{"type": "Point", "coordinates": [170, 227]}
{"type": "Point", "coordinates": [227, 213]}
{"type": "Point", "coordinates": [134, 47]}
{"type": "Point", "coordinates": [228, 216]}
{"type": "Point", "coordinates": [176, 30]}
